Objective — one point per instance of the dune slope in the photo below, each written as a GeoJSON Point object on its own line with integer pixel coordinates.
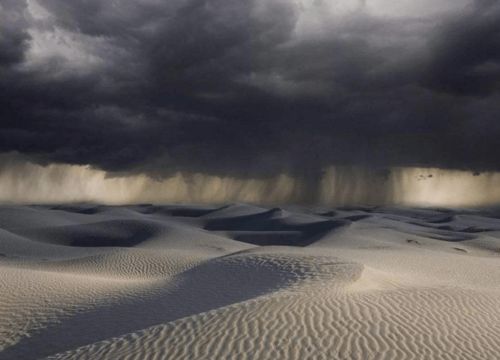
{"type": "Point", "coordinates": [241, 281]}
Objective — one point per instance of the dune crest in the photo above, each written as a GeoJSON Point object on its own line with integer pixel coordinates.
{"type": "Point", "coordinates": [243, 281]}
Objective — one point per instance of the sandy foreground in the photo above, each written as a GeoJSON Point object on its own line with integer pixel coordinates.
{"type": "Point", "coordinates": [247, 282]}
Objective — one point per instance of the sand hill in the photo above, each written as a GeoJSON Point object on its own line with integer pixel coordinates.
{"type": "Point", "coordinates": [246, 282]}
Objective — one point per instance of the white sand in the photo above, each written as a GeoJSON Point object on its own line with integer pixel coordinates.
{"type": "Point", "coordinates": [244, 282]}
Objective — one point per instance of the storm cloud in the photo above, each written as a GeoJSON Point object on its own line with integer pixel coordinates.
{"type": "Point", "coordinates": [251, 89]}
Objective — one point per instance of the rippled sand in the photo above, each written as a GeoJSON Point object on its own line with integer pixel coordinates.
{"type": "Point", "coordinates": [245, 282]}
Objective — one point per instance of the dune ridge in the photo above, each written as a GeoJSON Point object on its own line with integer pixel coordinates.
{"type": "Point", "coordinates": [242, 281]}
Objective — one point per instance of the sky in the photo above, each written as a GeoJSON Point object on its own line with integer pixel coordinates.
{"type": "Point", "coordinates": [250, 89]}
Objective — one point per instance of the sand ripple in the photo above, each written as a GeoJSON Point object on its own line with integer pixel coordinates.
{"type": "Point", "coordinates": [210, 282]}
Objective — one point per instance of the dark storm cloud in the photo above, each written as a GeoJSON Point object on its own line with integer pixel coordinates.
{"type": "Point", "coordinates": [12, 37]}
{"type": "Point", "coordinates": [247, 88]}
{"type": "Point", "coordinates": [467, 53]}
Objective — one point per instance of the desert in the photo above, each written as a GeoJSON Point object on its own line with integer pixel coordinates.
{"type": "Point", "coordinates": [241, 281]}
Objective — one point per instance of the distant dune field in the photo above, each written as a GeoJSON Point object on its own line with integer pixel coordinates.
{"type": "Point", "coordinates": [245, 282]}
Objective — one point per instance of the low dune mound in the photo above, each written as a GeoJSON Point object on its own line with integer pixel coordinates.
{"type": "Point", "coordinates": [272, 219]}
{"type": "Point", "coordinates": [177, 210]}
{"type": "Point", "coordinates": [274, 227]}
{"type": "Point", "coordinates": [267, 238]}
{"type": "Point", "coordinates": [289, 268]}
{"type": "Point", "coordinates": [397, 324]}
{"type": "Point", "coordinates": [356, 217]}
{"type": "Point", "coordinates": [431, 215]}
{"type": "Point", "coordinates": [126, 264]}
{"type": "Point", "coordinates": [427, 225]}
{"type": "Point", "coordinates": [357, 208]}
{"type": "Point", "coordinates": [115, 233]}
{"type": "Point", "coordinates": [236, 210]}
{"type": "Point", "coordinates": [26, 217]}
{"type": "Point", "coordinates": [248, 282]}
{"type": "Point", "coordinates": [443, 235]}
{"type": "Point", "coordinates": [87, 209]}
{"type": "Point", "coordinates": [203, 286]}
{"type": "Point", "coordinates": [329, 213]}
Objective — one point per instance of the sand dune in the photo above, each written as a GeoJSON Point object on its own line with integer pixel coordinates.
{"type": "Point", "coordinates": [242, 281]}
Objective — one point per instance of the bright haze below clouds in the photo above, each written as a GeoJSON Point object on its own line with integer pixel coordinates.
{"type": "Point", "coordinates": [258, 91]}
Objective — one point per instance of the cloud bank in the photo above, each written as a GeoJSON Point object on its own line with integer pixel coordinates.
{"type": "Point", "coordinates": [251, 89]}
